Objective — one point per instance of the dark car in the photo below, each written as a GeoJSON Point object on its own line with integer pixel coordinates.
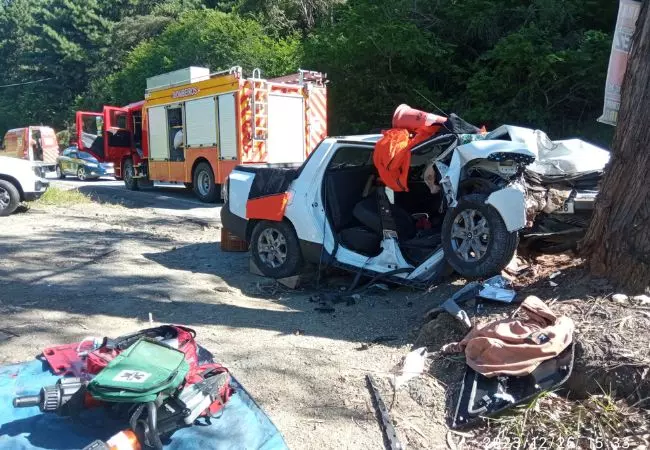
{"type": "Point", "coordinates": [83, 165]}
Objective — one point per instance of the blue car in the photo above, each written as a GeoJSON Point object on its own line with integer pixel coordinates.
{"type": "Point", "coordinates": [83, 165]}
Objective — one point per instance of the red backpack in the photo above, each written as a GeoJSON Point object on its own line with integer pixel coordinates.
{"type": "Point", "coordinates": [176, 336]}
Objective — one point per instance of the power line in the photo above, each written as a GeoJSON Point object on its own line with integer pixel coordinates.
{"type": "Point", "coordinates": [26, 82]}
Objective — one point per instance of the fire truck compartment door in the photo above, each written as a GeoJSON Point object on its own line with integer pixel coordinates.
{"type": "Point", "coordinates": [227, 127]}
{"type": "Point", "coordinates": [89, 133]}
{"type": "Point", "coordinates": [286, 136]}
{"type": "Point", "coordinates": [201, 122]}
{"type": "Point", "coordinates": [116, 124]}
{"type": "Point", "coordinates": [158, 141]}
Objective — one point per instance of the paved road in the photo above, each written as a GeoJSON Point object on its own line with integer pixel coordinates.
{"type": "Point", "coordinates": [165, 198]}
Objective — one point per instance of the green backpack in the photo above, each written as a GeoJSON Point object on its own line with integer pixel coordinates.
{"type": "Point", "coordinates": [140, 374]}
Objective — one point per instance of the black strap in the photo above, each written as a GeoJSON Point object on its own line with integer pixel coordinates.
{"type": "Point", "coordinates": [125, 341]}
{"type": "Point", "coordinates": [385, 213]}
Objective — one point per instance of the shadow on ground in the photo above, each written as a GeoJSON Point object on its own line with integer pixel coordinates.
{"type": "Point", "coordinates": [131, 271]}
{"type": "Point", "coordinates": [166, 197]}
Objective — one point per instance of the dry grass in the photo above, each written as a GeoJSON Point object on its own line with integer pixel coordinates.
{"type": "Point", "coordinates": [551, 421]}
{"type": "Point", "coordinates": [62, 197]}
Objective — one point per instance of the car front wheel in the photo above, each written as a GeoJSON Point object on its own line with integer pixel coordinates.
{"type": "Point", "coordinates": [81, 174]}
{"type": "Point", "coordinates": [475, 239]}
{"type": "Point", "coordinates": [9, 198]}
{"type": "Point", "coordinates": [275, 249]}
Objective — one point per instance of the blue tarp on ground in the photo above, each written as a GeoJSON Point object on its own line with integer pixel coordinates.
{"type": "Point", "coordinates": [243, 425]}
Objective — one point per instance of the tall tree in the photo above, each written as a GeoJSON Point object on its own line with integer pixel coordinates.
{"type": "Point", "coordinates": [617, 244]}
{"type": "Point", "coordinates": [201, 38]}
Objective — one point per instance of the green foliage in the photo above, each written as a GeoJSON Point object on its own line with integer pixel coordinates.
{"type": "Point", "coordinates": [540, 63]}
{"type": "Point", "coordinates": [282, 16]}
{"type": "Point", "coordinates": [203, 38]}
{"type": "Point", "coordinates": [55, 196]}
{"type": "Point", "coordinates": [376, 58]}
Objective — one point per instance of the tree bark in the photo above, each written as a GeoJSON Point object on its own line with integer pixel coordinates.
{"type": "Point", "coordinates": [617, 243]}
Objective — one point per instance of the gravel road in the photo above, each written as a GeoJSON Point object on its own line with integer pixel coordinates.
{"type": "Point", "coordinates": [101, 268]}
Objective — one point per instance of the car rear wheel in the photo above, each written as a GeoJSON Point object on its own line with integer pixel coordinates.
{"type": "Point", "coordinates": [275, 249]}
{"type": "Point", "coordinates": [129, 172]}
{"type": "Point", "coordinates": [81, 174]}
{"type": "Point", "coordinates": [203, 183]}
{"type": "Point", "coordinates": [9, 198]}
{"type": "Point", "coordinates": [475, 239]}
{"type": "Point", "coordinates": [59, 172]}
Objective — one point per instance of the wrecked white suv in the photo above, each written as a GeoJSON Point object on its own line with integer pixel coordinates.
{"type": "Point", "coordinates": [333, 209]}
{"type": "Point", "coordinates": [20, 180]}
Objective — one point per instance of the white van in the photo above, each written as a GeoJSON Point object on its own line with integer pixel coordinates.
{"type": "Point", "coordinates": [36, 143]}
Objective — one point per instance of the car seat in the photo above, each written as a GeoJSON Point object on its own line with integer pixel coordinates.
{"type": "Point", "coordinates": [367, 212]}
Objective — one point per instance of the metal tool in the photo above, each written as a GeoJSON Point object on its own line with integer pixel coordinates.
{"type": "Point", "coordinates": [65, 398]}
{"type": "Point", "coordinates": [392, 442]}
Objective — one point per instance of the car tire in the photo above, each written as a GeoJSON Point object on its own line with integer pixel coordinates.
{"type": "Point", "coordinates": [81, 174]}
{"type": "Point", "coordinates": [59, 172]}
{"type": "Point", "coordinates": [203, 183]}
{"type": "Point", "coordinates": [129, 171]}
{"type": "Point", "coordinates": [284, 259]}
{"type": "Point", "coordinates": [9, 198]}
{"type": "Point", "coordinates": [474, 248]}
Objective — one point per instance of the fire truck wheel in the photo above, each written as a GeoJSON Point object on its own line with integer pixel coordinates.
{"type": "Point", "coordinates": [9, 198]}
{"type": "Point", "coordinates": [275, 249]}
{"type": "Point", "coordinates": [130, 182]}
{"type": "Point", "coordinates": [204, 187]}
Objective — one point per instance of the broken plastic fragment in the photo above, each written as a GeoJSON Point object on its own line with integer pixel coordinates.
{"type": "Point", "coordinates": [495, 289]}
{"type": "Point", "coordinates": [412, 367]}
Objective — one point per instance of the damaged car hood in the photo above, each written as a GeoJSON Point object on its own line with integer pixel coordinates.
{"type": "Point", "coordinates": [565, 157]}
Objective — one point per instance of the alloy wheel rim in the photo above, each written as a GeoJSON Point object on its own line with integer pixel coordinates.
{"type": "Point", "coordinates": [272, 248]}
{"type": "Point", "coordinates": [4, 198]}
{"type": "Point", "coordinates": [470, 235]}
{"type": "Point", "coordinates": [81, 174]}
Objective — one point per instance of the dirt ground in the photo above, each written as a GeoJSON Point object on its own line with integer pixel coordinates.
{"type": "Point", "coordinates": [100, 269]}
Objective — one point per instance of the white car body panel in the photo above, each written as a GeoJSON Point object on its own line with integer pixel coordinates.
{"type": "Point", "coordinates": [511, 204]}
{"type": "Point", "coordinates": [22, 171]}
{"type": "Point", "coordinates": [569, 156]}
{"type": "Point", "coordinates": [239, 187]}
{"type": "Point", "coordinates": [464, 154]}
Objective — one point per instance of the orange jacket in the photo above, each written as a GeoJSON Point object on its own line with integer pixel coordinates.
{"type": "Point", "coordinates": [392, 155]}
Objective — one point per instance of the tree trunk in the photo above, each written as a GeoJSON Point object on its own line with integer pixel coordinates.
{"type": "Point", "coordinates": [617, 243]}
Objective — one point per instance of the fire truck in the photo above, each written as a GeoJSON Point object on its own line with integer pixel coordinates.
{"type": "Point", "coordinates": [194, 127]}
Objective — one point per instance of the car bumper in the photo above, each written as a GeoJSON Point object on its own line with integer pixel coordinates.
{"type": "Point", "coordinates": [100, 172]}
{"type": "Point", "coordinates": [233, 223]}
{"type": "Point", "coordinates": [40, 187]}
